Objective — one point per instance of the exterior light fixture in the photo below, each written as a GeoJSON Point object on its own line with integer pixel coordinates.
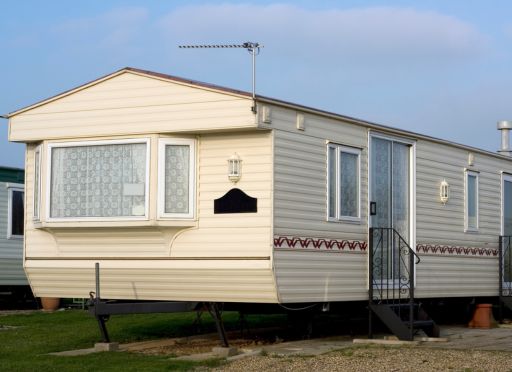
{"type": "Point", "coordinates": [234, 168]}
{"type": "Point", "coordinates": [444, 192]}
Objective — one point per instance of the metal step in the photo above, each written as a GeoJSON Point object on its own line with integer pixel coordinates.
{"type": "Point", "coordinates": [420, 324]}
{"type": "Point", "coordinates": [401, 327]}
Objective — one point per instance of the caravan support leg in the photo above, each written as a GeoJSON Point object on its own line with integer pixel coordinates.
{"type": "Point", "coordinates": [103, 328]}
{"type": "Point", "coordinates": [213, 308]}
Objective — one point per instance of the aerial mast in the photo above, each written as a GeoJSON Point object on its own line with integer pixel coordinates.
{"type": "Point", "coordinates": [252, 48]}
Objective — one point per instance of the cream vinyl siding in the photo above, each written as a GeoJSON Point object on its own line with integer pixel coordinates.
{"type": "Point", "coordinates": [217, 257]}
{"type": "Point", "coordinates": [319, 276]}
{"type": "Point", "coordinates": [179, 280]}
{"type": "Point", "coordinates": [239, 234]}
{"type": "Point", "coordinates": [130, 103]}
{"type": "Point", "coordinates": [11, 250]}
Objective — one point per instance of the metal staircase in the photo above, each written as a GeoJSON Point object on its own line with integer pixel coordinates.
{"type": "Point", "coordinates": [505, 271]}
{"type": "Point", "coordinates": [391, 286]}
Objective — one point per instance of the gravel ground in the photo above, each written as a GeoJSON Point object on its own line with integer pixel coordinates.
{"type": "Point", "coordinates": [375, 358]}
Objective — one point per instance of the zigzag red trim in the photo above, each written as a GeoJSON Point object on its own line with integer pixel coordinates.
{"type": "Point", "coordinates": [461, 251]}
{"type": "Point", "coordinates": [318, 243]}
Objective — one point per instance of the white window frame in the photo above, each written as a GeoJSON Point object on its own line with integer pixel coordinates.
{"type": "Point", "coordinates": [36, 203]}
{"type": "Point", "coordinates": [475, 174]}
{"type": "Point", "coordinates": [53, 145]}
{"type": "Point", "coordinates": [338, 150]}
{"type": "Point", "coordinates": [162, 143]}
{"type": "Point", "coordinates": [505, 177]}
{"type": "Point", "coordinates": [10, 188]}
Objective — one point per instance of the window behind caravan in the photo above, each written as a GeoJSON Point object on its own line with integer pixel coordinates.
{"type": "Point", "coordinates": [15, 212]}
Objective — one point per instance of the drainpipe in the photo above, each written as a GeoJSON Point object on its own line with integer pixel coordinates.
{"type": "Point", "coordinates": [505, 126]}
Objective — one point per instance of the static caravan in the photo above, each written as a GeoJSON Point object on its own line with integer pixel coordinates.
{"type": "Point", "coordinates": [12, 276]}
{"type": "Point", "coordinates": [185, 191]}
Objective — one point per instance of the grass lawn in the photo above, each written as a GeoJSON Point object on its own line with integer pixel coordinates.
{"type": "Point", "coordinates": [25, 348]}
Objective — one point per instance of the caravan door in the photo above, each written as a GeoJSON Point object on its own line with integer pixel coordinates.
{"type": "Point", "coordinates": [391, 194]}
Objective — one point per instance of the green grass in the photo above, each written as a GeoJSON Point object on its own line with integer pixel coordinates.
{"type": "Point", "coordinates": [26, 348]}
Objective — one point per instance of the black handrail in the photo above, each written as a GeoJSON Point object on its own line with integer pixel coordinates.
{"type": "Point", "coordinates": [392, 272]}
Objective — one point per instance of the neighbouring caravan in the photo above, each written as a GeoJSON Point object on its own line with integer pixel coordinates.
{"type": "Point", "coordinates": [192, 192]}
{"type": "Point", "coordinates": [12, 277]}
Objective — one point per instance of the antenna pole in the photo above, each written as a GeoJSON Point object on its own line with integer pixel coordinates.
{"type": "Point", "coordinates": [253, 52]}
{"type": "Point", "coordinates": [253, 48]}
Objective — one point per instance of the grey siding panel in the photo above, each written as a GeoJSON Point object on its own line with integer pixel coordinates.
{"type": "Point", "coordinates": [444, 225]}
{"type": "Point", "coordinates": [11, 250]}
{"type": "Point", "coordinates": [456, 276]}
{"type": "Point", "coordinates": [300, 178]}
{"type": "Point", "coordinates": [300, 211]}
{"type": "Point", "coordinates": [320, 276]}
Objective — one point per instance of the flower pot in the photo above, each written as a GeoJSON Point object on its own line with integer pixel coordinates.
{"type": "Point", "coordinates": [482, 317]}
{"type": "Point", "coordinates": [50, 303]}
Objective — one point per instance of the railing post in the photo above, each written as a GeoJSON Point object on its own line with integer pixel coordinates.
{"type": "Point", "coordinates": [500, 275]}
{"type": "Point", "coordinates": [411, 291]}
{"type": "Point", "coordinates": [370, 282]}
{"type": "Point", "coordinates": [97, 276]}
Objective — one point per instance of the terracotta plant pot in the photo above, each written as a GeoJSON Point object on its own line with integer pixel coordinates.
{"type": "Point", "coordinates": [50, 303]}
{"type": "Point", "coordinates": [482, 317]}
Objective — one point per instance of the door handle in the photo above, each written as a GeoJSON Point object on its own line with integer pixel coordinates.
{"type": "Point", "coordinates": [373, 208]}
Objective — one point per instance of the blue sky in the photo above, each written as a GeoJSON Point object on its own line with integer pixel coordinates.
{"type": "Point", "coordinates": [442, 68]}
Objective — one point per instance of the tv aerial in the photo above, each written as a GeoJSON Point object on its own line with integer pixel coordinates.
{"type": "Point", "coordinates": [252, 48]}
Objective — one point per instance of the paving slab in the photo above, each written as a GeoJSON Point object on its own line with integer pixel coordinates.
{"type": "Point", "coordinates": [452, 337]}
{"type": "Point", "coordinates": [460, 337]}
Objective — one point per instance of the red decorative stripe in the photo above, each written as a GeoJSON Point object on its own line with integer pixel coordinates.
{"type": "Point", "coordinates": [461, 251]}
{"type": "Point", "coordinates": [318, 243]}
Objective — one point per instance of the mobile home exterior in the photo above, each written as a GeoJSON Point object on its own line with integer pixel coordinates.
{"type": "Point", "coordinates": [131, 171]}
{"type": "Point", "coordinates": [12, 275]}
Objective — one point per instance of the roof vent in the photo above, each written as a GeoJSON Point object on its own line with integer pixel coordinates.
{"type": "Point", "coordinates": [505, 126]}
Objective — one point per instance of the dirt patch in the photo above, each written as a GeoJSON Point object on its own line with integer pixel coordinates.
{"type": "Point", "coordinates": [202, 343]}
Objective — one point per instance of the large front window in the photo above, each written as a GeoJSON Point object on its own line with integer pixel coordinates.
{"type": "Point", "coordinates": [98, 180]}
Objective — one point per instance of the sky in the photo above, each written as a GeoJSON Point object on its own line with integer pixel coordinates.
{"type": "Point", "coordinates": [437, 67]}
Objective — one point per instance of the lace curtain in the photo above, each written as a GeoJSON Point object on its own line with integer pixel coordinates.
{"type": "Point", "coordinates": [381, 180]}
{"type": "Point", "coordinates": [507, 208]}
{"type": "Point", "coordinates": [400, 189]}
{"type": "Point", "coordinates": [37, 169]}
{"type": "Point", "coordinates": [390, 190]}
{"type": "Point", "coordinates": [471, 200]}
{"type": "Point", "coordinates": [349, 198]}
{"type": "Point", "coordinates": [98, 181]}
{"type": "Point", "coordinates": [177, 177]}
